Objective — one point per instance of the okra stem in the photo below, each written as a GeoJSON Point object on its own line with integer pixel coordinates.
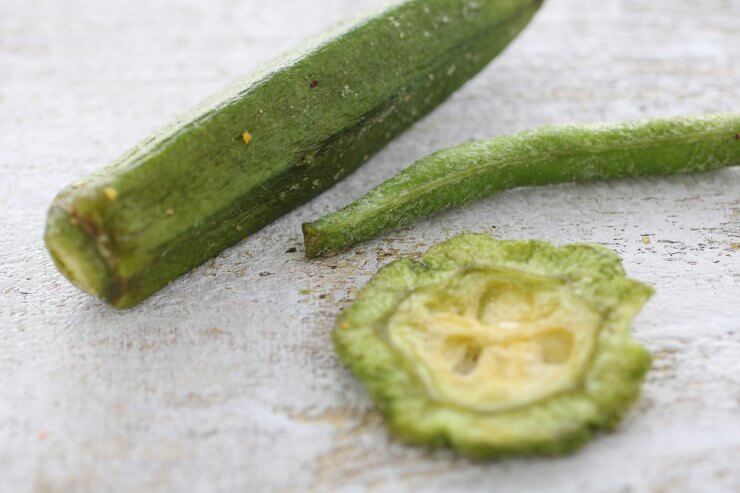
{"type": "Point", "coordinates": [556, 154]}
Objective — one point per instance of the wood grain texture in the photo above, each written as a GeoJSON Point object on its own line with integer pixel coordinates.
{"type": "Point", "coordinates": [226, 380]}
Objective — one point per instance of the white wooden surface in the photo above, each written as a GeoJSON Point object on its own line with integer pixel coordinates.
{"type": "Point", "coordinates": [227, 381]}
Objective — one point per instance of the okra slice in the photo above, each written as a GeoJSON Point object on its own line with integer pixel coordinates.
{"type": "Point", "coordinates": [497, 347]}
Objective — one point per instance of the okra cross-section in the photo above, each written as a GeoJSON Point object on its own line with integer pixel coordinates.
{"type": "Point", "coordinates": [498, 347]}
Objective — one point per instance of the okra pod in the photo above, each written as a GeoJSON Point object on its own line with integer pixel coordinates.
{"type": "Point", "coordinates": [254, 152]}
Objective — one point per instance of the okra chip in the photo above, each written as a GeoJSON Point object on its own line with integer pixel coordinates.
{"type": "Point", "coordinates": [498, 347]}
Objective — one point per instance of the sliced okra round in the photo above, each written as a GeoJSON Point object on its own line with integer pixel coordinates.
{"type": "Point", "coordinates": [498, 347]}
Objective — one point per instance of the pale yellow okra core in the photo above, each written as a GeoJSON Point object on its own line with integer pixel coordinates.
{"type": "Point", "coordinates": [494, 339]}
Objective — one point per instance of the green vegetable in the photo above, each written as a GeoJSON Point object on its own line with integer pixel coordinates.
{"type": "Point", "coordinates": [264, 146]}
{"type": "Point", "coordinates": [571, 153]}
{"type": "Point", "coordinates": [498, 347]}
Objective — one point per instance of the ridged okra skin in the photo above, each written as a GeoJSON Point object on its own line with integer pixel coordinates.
{"type": "Point", "coordinates": [264, 146]}
{"type": "Point", "coordinates": [556, 154]}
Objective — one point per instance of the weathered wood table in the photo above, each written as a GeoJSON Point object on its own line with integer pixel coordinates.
{"type": "Point", "coordinates": [227, 380]}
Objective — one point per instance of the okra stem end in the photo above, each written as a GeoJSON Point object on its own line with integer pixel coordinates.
{"type": "Point", "coordinates": [311, 240]}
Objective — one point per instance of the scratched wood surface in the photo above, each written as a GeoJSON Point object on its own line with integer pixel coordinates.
{"type": "Point", "coordinates": [226, 380]}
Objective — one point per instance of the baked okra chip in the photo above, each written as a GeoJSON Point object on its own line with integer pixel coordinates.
{"type": "Point", "coordinates": [498, 347]}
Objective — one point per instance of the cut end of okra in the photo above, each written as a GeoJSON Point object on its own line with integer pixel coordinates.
{"type": "Point", "coordinates": [498, 347]}
{"type": "Point", "coordinates": [76, 252]}
{"type": "Point", "coordinates": [312, 241]}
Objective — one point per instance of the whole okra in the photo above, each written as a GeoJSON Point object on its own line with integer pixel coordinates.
{"type": "Point", "coordinates": [568, 153]}
{"type": "Point", "coordinates": [266, 145]}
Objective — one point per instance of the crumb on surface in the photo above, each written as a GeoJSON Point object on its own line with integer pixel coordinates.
{"type": "Point", "coordinates": [645, 240]}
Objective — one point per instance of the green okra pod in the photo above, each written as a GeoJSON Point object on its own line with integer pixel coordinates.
{"type": "Point", "coordinates": [557, 154]}
{"type": "Point", "coordinates": [264, 146]}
